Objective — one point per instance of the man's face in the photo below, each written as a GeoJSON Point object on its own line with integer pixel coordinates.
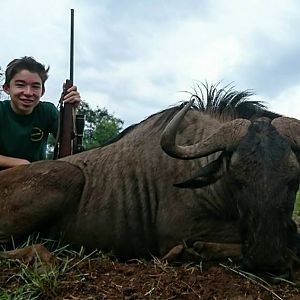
{"type": "Point", "coordinates": [25, 90]}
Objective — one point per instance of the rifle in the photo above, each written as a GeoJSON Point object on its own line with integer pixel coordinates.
{"type": "Point", "coordinates": [70, 134]}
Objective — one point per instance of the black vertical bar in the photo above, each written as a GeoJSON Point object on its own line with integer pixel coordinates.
{"type": "Point", "coordinates": [72, 47]}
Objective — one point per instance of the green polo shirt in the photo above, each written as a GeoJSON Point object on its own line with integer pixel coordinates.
{"type": "Point", "coordinates": [25, 136]}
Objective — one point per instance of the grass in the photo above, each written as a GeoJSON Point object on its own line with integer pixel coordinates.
{"type": "Point", "coordinates": [297, 205]}
{"type": "Point", "coordinates": [37, 281]}
{"type": "Point", "coordinates": [33, 284]}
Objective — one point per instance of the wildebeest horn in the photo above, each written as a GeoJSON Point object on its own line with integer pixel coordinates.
{"type": "Point", "coordinates": [290, 129]}
{"type": "Point", "coordinates": [226, 137]}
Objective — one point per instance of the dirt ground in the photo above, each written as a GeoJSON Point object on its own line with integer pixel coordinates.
{"type": "Point", "coordinates": [108, 279]}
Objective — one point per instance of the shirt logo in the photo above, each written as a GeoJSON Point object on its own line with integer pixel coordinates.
{"type": "Point", "coordinates": [36, 134]}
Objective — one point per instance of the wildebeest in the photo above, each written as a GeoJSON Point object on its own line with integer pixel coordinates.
{"type": "Point", "coordinates": [232, 180]}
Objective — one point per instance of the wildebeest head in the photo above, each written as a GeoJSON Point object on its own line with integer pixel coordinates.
{"type": "Point", "coordinates": [259, 163]}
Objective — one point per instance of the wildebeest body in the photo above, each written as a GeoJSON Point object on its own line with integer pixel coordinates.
{"type": "Point", "coordinates": [132, 201]}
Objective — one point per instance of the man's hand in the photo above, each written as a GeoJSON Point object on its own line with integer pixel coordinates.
{"type": "Point", "coordinates": [72, 96]}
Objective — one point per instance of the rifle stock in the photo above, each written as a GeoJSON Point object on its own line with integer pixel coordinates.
{"type": "Point", "coordinates": [66, 126]}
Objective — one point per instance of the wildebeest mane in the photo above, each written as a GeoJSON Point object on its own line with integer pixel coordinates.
{"type": "Point", "coordinates": [221, 103]}
{"type": "Point", "coordinates": [226, 103]}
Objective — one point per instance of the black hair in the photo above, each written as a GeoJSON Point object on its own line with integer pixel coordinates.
{"type": "Point", "coordinates": [25, 63]}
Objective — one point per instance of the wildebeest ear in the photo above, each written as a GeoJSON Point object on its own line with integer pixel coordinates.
{"type": "Point", "coordinates": [206, 175]}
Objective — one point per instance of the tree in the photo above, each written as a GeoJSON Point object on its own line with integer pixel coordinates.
{"type": "Point", "coordinates": [100, 126]}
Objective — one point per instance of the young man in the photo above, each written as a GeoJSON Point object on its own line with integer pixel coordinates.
{"type": "Point", "coordinates": [25, 121]}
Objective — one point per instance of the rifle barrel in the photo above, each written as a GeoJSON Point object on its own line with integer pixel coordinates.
{"type": "Point", "coordinates": [72, 46]}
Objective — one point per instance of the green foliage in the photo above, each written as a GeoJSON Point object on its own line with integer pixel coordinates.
{"type": "Point", "coordinates": [100, 126]}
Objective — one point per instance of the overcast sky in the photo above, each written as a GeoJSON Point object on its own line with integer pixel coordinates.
{"type": "Point", "coordinates": [134, 57]}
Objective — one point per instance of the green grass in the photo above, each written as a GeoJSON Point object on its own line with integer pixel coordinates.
{"type": "Point", "coordinates": [38, 281]}
{"type": "Point", "coordinates": [297, 205]}
{"type": "Point", "coordinates": [34, 284]}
